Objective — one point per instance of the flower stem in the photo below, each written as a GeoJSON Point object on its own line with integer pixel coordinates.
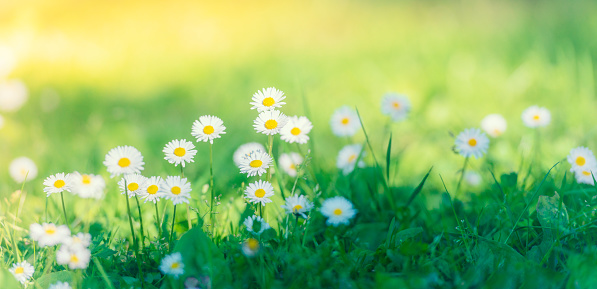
{"type": "Point", "coordinates": [461, 176]}
{"type": "Point", "coordinates": [211, 184]}
{"type": "Point", "coordinates": [64, 209]}
{"type": "Point", "coordinates": [157, 216]}
{"type": "Point", "coordinates": [135, 244]}
{"type": "Point", "coordinates": [269, 149]}
{"type": "Point", "coordinates": [172, 228]}
{"type": "Point", "coordinates": [190, 223]}
{"type": "Point", "coordinates": [141, 222]}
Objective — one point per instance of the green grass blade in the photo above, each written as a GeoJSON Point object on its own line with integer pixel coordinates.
{"type": "Point", "coordinates": [388, 157]}
{"type": "Point", "coordinates": [418, 188]}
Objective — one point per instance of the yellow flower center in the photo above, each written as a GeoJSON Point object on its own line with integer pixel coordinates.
{"type": "Point", "coordinates": [175, 190]}
{"type": "Point", "coordinates": [396, 105]}
{"type": "Point", "coordinates": [256, 163]}
{"type": "Point", "coordinates": [74, 259]}
{"type": "Point", "coordinates": [175, 265]}
{"type": "Point", "coordinates": [337, 212]}
{"type": "Point", "coordinates": [180, 152]}
{"type": "Point", "coordinates": [253, 244]}
{"type": "Point", "coordinates": [50, 230]}
{"type": "Point", "coordinates": [268, 101]}
{"type": "Point", "coordinates": [59, 184]}
{"type": "Point", "coordinates": [345, 121]}
{"type": "Point", "coordinates": [152, 190]}
{"type": "Point", "coordinates": [292, 166]}
{"type": "Point", "coordinates": [497, 132]}
{"type": "Point", "coordinates": [133, 186]}
{"type": "Point", "coordinates": [472, 142]}
{"type": "Point", "coordinates": [295, 131]}
{"type": "Point", "coordinates": [352, 158]}
{"type": "Point", "coordinates": [297, 208]}
{"type": "Point", "coordinates": [260, 193]}
{"type": "Point", "coordinates": [208, 129]}
{"type": "Point", "coordinates": [76, 240]}
{"type": "Point", "coordinates": [124, 162]}
{"type": "Point", "coordinates": [586, 173]}
{"type": "Point", "coordinates": [271, 124]}
{"type": "Point", "coordinates": [19, 270]}
{"type": "Point", "coordinates": [580, 161]}
{"type": "Point", "coordinates": [536, 117]}
{"type": "Point", "coordinates": [86, 179]}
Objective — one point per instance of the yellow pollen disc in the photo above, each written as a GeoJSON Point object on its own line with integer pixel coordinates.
{"type": "Point", "coordinates": [337, 212]}
{"type": "Point", "coordinates": [293, 167]}
{"type": "Point", "coordinates": [59, 184]}
{"type": "Point", "coordinates": [180, 152]}
{"type": "Point", "coordinates": [175, 265]}
{"type": "Point", "coordinates": [19, 270]}
{"type": "Point", "coordinates": [352, 158]}
{"type": "Point", "coordinates": [74, 259]}
{"type": "Point", "coordinates": [580, 161]}
{"type": "Point", "coordinates": [50, 231]}
{"type": "Point", "coordinates": [268, 101]}
{"type": "Point", "coordinates": [472, 142]}
{"type": "Point", "coordinates": [253, 244]}
{"type": "Point", "coordinates": [208, 129]}
{"type": "Point", "coordinates": [133, 186]}
{"type": "Point", "coordinates": [586, 173]}
{"type": "Point", "coordinates": [260, 193]}
{"type": "Point", "coordinates": [345, 121]}
{"type": "Point", "coordinates": [295, 131]}
{"type": "Point", "coordinates": [271, 124]}
{"type": "Point", "coordinates": [296, 208]}
{"type": "Point", "coordinates": [152, 190]}
{"type": "Point", "coordinates": [86, 179]}
{"type": "Point", "coordinates": [256, 163]}
{"type": "Point", "coordinates": [124, 162]}
{"type": "Point", "coordinates": [536, 117]}
{"type": "Point", "coordinates": [497, 132]}
{"type": "Point", "coordinates": [76, 240]}
{"type": "Point", "coordinates": [396, 105]}
{"type": "Point", "coordinates": [175, 190]}
{"type": "Point", "coordinates": [23, 172]}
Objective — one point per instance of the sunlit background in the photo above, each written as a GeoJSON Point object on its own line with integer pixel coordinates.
{"type": "Point", "coordinates": [99, 74]}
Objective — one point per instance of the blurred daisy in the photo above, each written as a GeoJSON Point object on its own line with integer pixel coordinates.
{"type": "Point", "coordinates": [60, 285]}
{"type": "Point", "coordinates": [397, 106]}
{"type": "Point", "coordinates": [22, 169]}
{"type": "Point", "coordinates": [250, 247]}
{"type": "Point", "coordinates": [176, 189]}
{"type": "Point", "coordinates": [289, 162]}
{"type": "Point", "coordinates": [80, 239]}
{"type": "Point", "coordinates": [135, 184]}
{"type": "Point", "coordinates": [270, 122]}
{"type": "Point", "coordinates": [581, 158]}
{"type": "Point", "coordinates": [172, 265]}
{"type": "Point", "coordinates": [88, 185]}
{"type": "Point", "coordinates": [48, 234]}
{"type": "Point", "coordinates": [255, 163]}
{"type": "Point", "coordinates": [268, 99]}
{"type": "Point", "coordinates": [256, 225]}
{"type": "Point", "coordinates": [259, 192]}
{"type": "Point", "coordinates": [297, 205]}
{"type": "Point", "coordinates": [296, 130]}
{"type": "Point", "coordinates": [473, 178]}
{"type": "Point", "coordinates": [179, 152]}
{"type": "Point", "coordinates": [208, 128]}
{"type": "Point", "coordinates": [13, 95]}
{"type": "Point", "coordinates": [22, 271]}
{"type": "Point", "coordinates": [76, 257]}
{"type": "Point", "coordinates": [585, 175]}
{"type": "Point", "coordinates": [8, 61]}
{"type": "Point", "coordinates": [124, 160]}
{"type": "Point", "coordinates": [152, 192]}
{"type": "Point", "coordinates": [245, 150]}
{"type": "Point", "coordinates": [57, 183]}
{"type": "Point", "coordinates": [472, 142]}
{"type": "Point", "coordinates": [536, 116]}
{"type": "Point", "coordinates": [338, 210]}
{"type": "Point", "coordinates": [345, 122]}
{"type": "Point", "coordinates": [494, 124]}
{"type": "Point", "coordinates": [348, 156]}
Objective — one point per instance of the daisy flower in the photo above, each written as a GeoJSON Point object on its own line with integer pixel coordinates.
{"type": "Point", "coordinates": [345, 122]}
{"type": "Point", "coordinates": [536, 116]}
{"type": "Point", "coordinates": [245, 150]}
{"type": "Point", "coordinates": [13, 95]}
{"type": "Point", "coordinates": [338, 210]}
{"type": "Point", "coordinates": [152, 192]}
{"type": "Point", "coordinates": [581, 158]}
{"type": "Point", "coordinates": [256, 163]}
{"type": "Point", "coordinates": [57, 183]}
{"type": "Point", "coordinates": [296, 130]}
{"type": "Point", "coordinates": [22, 169]}
{"type": "Point", "coordinates": [297, 205]}
{"type": "Point", "coordinates": [259, 192]}
{"type": "Point", "coordinates": [172, 265]}
{"type": "Point", "coordinates": [256, 225]}
{"type": "Point", "coordinates": [60, 285]}
{"type": "Point", "coordinates": [472, 142]}
{"type": "Point", "coordinates": [88, 185]}
{"type": "Point", "coordinates": [397, 106]}
{"type": "Point", "coordinates": [135, 184]}
{"type": "Point", "coordinates": [76, 257]}
{"type": "Point", "coordinates": [251, 247]}
{"type": "Point", "coordinates": [268, 99]}
{"type": "Point", "coordinates": [585, 175]}
{"type": "Point", "coordinates": [494, 124]}
{"type": "Point", "coordinates": [22, 271]}
{"type": "Point", "coordinates": [348, 156]}
{"type": "Point", "coordinates": [289, 162]}
{"type": "Point", "coordinates": [48, 234]}
{"type": "Point", "coordinates": [176, 189]}
{"type": "Point", "coordinates": [124, 160]}
{"type": "Point", "coordinates": [472, 178]}
{"type": "Point", "coordinates": [179, 152]}
{"type": "Point", "coordinates": [80, 239]}
{"type": "Point", "coordinates": [270, 122]}
{"type": "Point", "coordinates": [208, 128]}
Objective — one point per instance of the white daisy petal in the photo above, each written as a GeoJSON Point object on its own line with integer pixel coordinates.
{"type": "Point", "coordinates": [208, 128]}
{"type": "Point", "coordinates": [581, 158]}
{"type": "Point", "coordinates": [397, 106]}
{"type": "Point", "coordinates": [345, 122]}
{"type": "Point", "coordinates": [494, 125]}
{"type": "Point", "coordinates": [76, 257]}
{"type": "Point", "coordinates": [289, 162]}
{"type": "Point", "coordinates": [22, 169]}
{"type": "Point", "coordinates": [152, 191]}
{"type": "Point", "coordinates": [22, 271]}
{"type": "Point", "coordinates": [296, 130]}
{"type": "Point", "coordinates": [338, 210]}
{"type": "Point", "coordinates": [172, 265]}
{"type": "Point", "coordinates": [536, 116]}
{"type": "Point", "coordinates": [255, 163]}
{"type": "Point", "coordinates": [179, 152]}
{"type": "Point", "coordinates": [472, 142]}
{"type": "Point", "coordinates": [48, 234]}
{"type": "Point", "coordinates": [60, 285]}
{"type": "Point", "coordinates": [13, 95]}
{"type": "Point", "coordinates": [58, 183]}
{"type": "Point", "coordinates": [124, 160]}
{"type": "Point", "coordinates": [298, 205]}
{"type": "Point", "coordinates": [348, 156]}
{"type": "Point", "coordinates": [88, 185]}
{"type": "Point", "coordinates": [259, 192]}
{"type": "Point", "coordinates": [176, 189]}
{"type": "Point", "coordinates": [256, 225]}
{"type": "Point", "coordinates": [268, 99]}
{"type": "Point", "coordinates": [244, 150]}
{"type": "Point", "coordinates": [585, 175]}
{"type": "Point", "coordinates": [251, 247]}
{"type": "Point", "coordinates": [270, 122]}
{"type": "Point", "coordinates": [135, 184]}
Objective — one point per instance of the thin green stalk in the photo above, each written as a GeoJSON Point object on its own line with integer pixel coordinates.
{"type": "Point", "coordinates": [157, 217]}
{"type": "Point", "coordinates": [457, 193]}
{"type": "Point", "coordinates": [213, 196]}
{"type": "Point", "coordinates": [172, 228]}
{"type": "Point", "coordinates": [64, 209]}
{"type": "Point", "coordinates": [135, 244]}
{"type": "Point", "coordinates": [141, 222]}
{"type": "Point", "coordinates": [270, 146]}
{"type": "Point", "coordinates": [189, 222]}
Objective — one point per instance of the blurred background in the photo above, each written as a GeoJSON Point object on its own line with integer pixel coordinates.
{"type": "Point", "coordinates": [98, 74]}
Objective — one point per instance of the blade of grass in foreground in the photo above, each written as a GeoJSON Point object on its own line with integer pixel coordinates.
{"type": "Point", "coordinates": [388, 157]}
{"type": "Point", "coordinates": [418, 188]}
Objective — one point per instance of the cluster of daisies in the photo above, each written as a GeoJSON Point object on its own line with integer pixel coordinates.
{"type": "Point", "coordinates": [584, 165]}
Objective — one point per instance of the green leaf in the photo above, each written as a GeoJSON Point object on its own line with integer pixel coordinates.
{"type": "Point", "coordinates": [408, 234]}
{"type": "Point", "coordinates": [49, 279]}
{"type": "Point", "coordinates": [8, 280]}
